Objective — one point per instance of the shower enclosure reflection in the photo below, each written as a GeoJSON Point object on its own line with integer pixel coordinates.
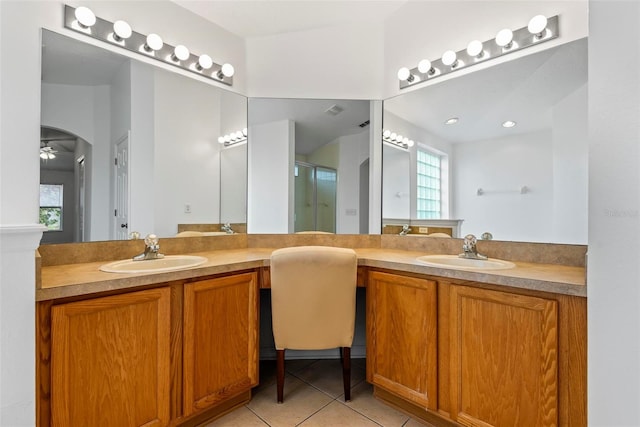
{"type": "Point", "coordinates": [315, 198]}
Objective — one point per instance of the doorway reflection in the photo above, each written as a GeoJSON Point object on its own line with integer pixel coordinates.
{"type": "Point", "coordinates": [315, 198]}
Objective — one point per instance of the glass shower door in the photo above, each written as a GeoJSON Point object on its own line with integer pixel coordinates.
{"type": "Point", "coordinates": [315, 198]}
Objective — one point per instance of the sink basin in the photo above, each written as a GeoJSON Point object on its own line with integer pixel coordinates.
{"type": "Point", "coordinates": [168, 263]}
{"type": "Point", "coordinates": [453, 261]}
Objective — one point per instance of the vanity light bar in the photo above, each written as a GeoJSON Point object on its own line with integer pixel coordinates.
{"type": "Point", "coordinates": [539, 30]}
{"type": "Point", "coordinates": [233, 138]}
{"type": "Point", "coordinates": [120, 34]}
{"type": "Point", "coordinates": [396, 140]}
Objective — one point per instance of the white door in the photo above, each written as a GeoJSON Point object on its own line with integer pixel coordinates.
{"type": "Point", "coordinates": [121, 185]}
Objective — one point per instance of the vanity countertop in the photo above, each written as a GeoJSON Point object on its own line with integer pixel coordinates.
{"type": "Point", "coordinates": [61, 281]}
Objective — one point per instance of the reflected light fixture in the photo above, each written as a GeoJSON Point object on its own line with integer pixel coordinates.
{"type": "Point", "coordinates": [234, 138]}
{"type": "Point", "coordinates": [396, 140]}
{"type": "Point", "coordinates": [506, 41]}
{"type": "Point", "coordinates": [120, 33]}
{"type": "Point", "coordinates": [508, 124]}
{"type": "Point", "coordinates": [46, 152]}
{"type": "Point", "coordinates": [451, 121]}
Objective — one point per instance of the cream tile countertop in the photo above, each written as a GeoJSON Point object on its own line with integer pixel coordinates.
{"type": "Point", "coordinates": [85, 278]}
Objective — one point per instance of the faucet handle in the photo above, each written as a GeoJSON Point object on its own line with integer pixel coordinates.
{"type": "Point", "coordinates": [151, 240]}
{"type": "Point", "coordinates": [469, 243]}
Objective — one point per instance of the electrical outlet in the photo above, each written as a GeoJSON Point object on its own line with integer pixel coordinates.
{"type": "Point", "coordinates": [187, 208]}
{"type": "Point", "coordinates": [423, 230]}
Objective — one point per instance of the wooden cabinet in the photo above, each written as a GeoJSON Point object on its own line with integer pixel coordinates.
{"type": "Point", "coordinates": [450, 351]}
{"type": "Point", "coordinates": [181, 353]}
{"type": "Point", "coordinates": [402, 336]}
{"type": "Point", "coordinates": [503, 358]}
{"type": "Point", "coordinates": [110, 360]}
{"type": "Point", "coordinates": [220, 352]}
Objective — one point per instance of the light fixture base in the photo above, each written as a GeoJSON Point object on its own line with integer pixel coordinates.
{"type": "Point", "coordinates": [103, 30]}
{"type": "Point", "coordinates": [522, 39]}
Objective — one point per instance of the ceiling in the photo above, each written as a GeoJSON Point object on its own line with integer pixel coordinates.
{"type": "Point", "coordinates": [314, 126]}
{"type": "Point", "coordinates": [259, 18]}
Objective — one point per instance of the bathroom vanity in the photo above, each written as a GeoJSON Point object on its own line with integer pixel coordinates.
{"type": "Point", "coordinates": [450, 346]}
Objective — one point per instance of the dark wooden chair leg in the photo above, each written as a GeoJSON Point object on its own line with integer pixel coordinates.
{"type": "Point", "coordinates": [280, 374]}
{"type": "Point", "coordinates": [346, 372]}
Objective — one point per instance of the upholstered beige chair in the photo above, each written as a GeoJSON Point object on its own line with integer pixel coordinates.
{"type": "Point", "coordinates": [313, 304]}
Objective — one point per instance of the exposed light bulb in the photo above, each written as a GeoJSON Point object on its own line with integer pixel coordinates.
{"type": "Point", "coordinates": [154, 42]}
{"type": "Point", "coordinates": [221, 139]}
{"type": "Point", "coordinates": [386, 134]}
{"type": "Point", "coordinates": [86, 18]}
{"type": "Point", "coordinates": [180, 53]}
{"type": "Point", "coordinates": [393, 136]}
{"type": "Point", "coordinates": [425, 67]}
{"type": "Point", "coordinates": [404, 74]}
{"type": "Point", "coordinates": [537, 25]}
{"type": "Point", "coordinates": [226, 70]}
{"type": "Point", "coordinates": [399, 138]}
{"type": "Point", "coordinates": [227, 138]}
{"type": "Point", "coordinates": [508, 124]}
{"type": "Point", "coordinates": [405, 140]}
{"type": "Point", "coordinates": [204, 62]}
{"type": "Point", "coordinates": [245, 132]}
{"type": "Point", "coordinates": [121, 31]}
{"type": "Point", "coordinates": [451, 121]}
{"type": "Point", "coordinates": [449, 58]}
{"type": "Point", "coordinates": [474, 48]}
{"type": "Point", "coordinates": [504, 38]}
{"type": "Point", "coordinates": [411, 143]}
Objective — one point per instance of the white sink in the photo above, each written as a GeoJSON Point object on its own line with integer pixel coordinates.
{"type": "Point", "coordinates": [168, 263]}
{"type": "Point", "coordinates": [453, 261]}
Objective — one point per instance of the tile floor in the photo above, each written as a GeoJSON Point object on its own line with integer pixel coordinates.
{"type": "Point", "coordinates": [313, 396]}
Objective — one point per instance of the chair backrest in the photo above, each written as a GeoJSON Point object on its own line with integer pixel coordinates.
{"type": "Point", "coordinates": [313, 297]}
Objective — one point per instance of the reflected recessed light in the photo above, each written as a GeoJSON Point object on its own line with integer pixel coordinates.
{"type": "Point", "coordinates": [451, 121]}
{"type": "Point", "coordinates": [508, 124]}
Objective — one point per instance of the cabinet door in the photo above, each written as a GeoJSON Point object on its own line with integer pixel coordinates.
{"type": "Point", "coordinates": [220, 339]}
{"type": "Point", "coordinates": [110, 360]}
{"type": "Point", "coordinates": [401, 336]}
{"type": "Point", "coordinates": [504, 350]}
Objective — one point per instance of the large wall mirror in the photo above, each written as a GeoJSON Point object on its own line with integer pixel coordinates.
{"type": "Point", "coordinates": [527, 182]}
{"type": "Point", "coordinates": [162, 127]}
{"type": "Point", "coordinates": [309, 165]}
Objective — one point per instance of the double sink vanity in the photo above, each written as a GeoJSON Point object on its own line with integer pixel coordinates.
{"type": "Point", "coordinates": [452, 345]}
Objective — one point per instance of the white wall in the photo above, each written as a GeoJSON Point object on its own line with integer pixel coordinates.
{"type": "Point", "coordinates": [570, 168]}
{"type": "Point", "coordinates": [613, 282]}
{"type": "Point", "coordinates": [500, 167]}
{"type": "Point", "coordinates": [344, 62]}
{"type": "Point", "coordinates": [187, 153]}
{"type": "Point", "coordinates": [354, 149]}
{"type": "Point", "coordinates": [271, 162]}
{"type": "Point", "coordinates": [233, 184]}
{"type": "Point", "coordinates": [396, 183]}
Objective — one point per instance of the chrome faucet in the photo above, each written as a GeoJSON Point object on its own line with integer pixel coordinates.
{"type": "Point", "coordinates": [469, 249]}
{"type": "Point", "coordinates": [405, 230]}
{"type": "Point", "coordinates": [151, 248]}
{"type": "Point", "coordinates": [226, 227]}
